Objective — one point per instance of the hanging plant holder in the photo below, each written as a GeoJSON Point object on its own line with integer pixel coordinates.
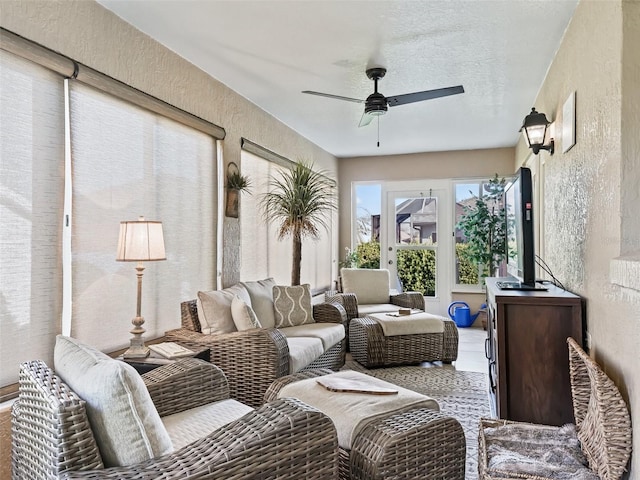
{"type": "Point", "coordinates": [236, 183]}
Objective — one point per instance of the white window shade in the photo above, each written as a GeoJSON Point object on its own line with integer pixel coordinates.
{"type": "Point", "coordinates": [262, 253]}
{"type": "Point", "coordinates": [129, 162]}
{"type": "Point", "coordinates": [31, 205]}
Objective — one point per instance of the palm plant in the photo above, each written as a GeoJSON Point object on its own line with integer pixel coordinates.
{"type": "Point", "coordinates": [301, 200]}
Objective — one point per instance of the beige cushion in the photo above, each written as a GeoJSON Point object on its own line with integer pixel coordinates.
{"type": "Point", "coordinates": [124, 421]}
{"type": "Point", "coordinates": [243, 315]}
{"type": "Point", "coordinates": [261, 294]}
{"type": "Point", "coordinates": [369, 285]}
{"type": "Point", "coordinates": [329, 333]}
{"type": "Point", "coordinates": [303, 351]}
{"type": "Point", "coordinates": [368, 309]}
{"type": "Point", "coordinates": [191, 425]}
{"type": "Point", "coordinates": [216, 309]}
{"type": "Point", "coordinates": [292, 305]}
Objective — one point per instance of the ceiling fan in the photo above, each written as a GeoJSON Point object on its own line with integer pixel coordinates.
{"type": "Point", "coordinates": [376, 104]}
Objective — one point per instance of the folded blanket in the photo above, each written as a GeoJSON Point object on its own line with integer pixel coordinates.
{"type": "Point", "coordinates": [351, 412]}
{"type": "Point", "coordinates": [409, 324]}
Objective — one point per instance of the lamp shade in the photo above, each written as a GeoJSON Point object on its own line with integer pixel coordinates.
{"type": "Point", "coordinates": [140, 241]}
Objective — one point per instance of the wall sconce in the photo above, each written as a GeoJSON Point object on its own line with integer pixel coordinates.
{"type": "Point", "coordinates": [535, 127]}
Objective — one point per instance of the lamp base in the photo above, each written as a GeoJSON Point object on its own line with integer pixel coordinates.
{"type": "Point", "coordinates": [137, 348]}
{"type": "Point", "coordinates": [136, 352]}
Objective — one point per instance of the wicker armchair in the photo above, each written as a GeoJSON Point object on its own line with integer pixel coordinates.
{"type": "Point", "coordinates": [253, 359]}
{"type": "Point", "coordinates": [52, 437]}
{"type": "Point", "coordinates": [360, 285]}
{"type": "Point", "coordinates": [603, 425]}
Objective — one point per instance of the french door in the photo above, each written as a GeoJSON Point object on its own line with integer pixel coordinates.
{"type": "Point", "coordinates": [415, 242]}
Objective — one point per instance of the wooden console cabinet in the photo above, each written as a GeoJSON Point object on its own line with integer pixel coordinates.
{"type": "Point", "coordinates": [528, 354]}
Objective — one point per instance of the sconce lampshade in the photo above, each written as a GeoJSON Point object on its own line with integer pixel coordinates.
{"type": "Point", "coordinates": [140, 241]}
{"type": "Point", "coordinates": [535, 129]}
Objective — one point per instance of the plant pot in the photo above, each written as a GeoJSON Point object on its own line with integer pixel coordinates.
{"type": "Point", "coordinates": [233, 200]}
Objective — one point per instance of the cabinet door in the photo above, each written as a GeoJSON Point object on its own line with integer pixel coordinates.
{"type": "Point", "coordinates": [537, 373]}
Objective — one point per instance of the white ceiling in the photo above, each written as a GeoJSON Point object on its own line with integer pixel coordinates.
{"type": "Point", "coordinates": [270, 50]}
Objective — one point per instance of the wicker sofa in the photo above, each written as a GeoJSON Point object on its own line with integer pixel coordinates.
{"type": "Point", "coordinates": [59, 434]}
{"type": "Point", "coordinates": [252, 359]}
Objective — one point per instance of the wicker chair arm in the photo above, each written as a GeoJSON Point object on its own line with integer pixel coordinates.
{"type": "Point", "coordinates": [348, 300]}
{"type": "Point", "coordinates": [408, 300]}
{"type": "Point", "coordinates": [185, 384]}
{"type": "Point", "coordinates": [250, 359]}
{"type": "Point", "coordinates": [284, 439]}
{"type": "Point", "coordinates": [329, 313]}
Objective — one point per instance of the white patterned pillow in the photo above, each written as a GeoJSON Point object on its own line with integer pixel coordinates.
{"type": "Point", "coordinates": [292, 305]}
{"type": "Point", "coordinates": [243, 315]}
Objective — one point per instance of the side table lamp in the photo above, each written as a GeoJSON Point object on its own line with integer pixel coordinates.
{"type": "Point", "coordinates": [140, 241]}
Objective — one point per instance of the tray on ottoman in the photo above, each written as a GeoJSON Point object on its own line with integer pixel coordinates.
{"type": "Point", "coordinates": [372, 348]}
{"type": "Point", "coordinates": [412, 442]}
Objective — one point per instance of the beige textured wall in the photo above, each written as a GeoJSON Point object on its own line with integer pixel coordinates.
{"type": "Point", "coordinates": [591, 198]}
{"type": "Point", "coordinates": [435, 165]}
{"type": "Point", "coordinates": [92, 35]}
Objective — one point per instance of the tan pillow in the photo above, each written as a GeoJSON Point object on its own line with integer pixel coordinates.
{"type": "Point", "coordinates": [369, 285]}
{"type": "Point", "coordinates": [261, 293]}
{"type": "Point", "coordinates": [292, 305]}
{"type": "Point", "coordinates": [216, 309]}
{"type": "Point", "coordinates": [243, 315]}
{"type": "Point", "coordinates": [125, 423]}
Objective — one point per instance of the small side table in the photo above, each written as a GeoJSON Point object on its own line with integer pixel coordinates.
{"type": "Point", "coordinates": [155, 360]}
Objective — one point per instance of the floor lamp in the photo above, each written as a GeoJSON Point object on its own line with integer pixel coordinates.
{"type": "Point", "coordinates": [139, 241]}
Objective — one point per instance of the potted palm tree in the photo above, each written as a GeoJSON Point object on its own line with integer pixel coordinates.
{"type": "Point", "coordinates": [484, 226]}
{"type": "Point", "coordinates": [301, 200]}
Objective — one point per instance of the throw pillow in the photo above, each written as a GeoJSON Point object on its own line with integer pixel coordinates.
{"type": "Point", "coordinates": [261, 294]}
{"type": "Point", "coordinates": [216, 309]}
{"type": "Point", "coordinates": [243, 315]}
{"type": "Point", "coordinates": [369, 285]}
{"type": "Point", "coordinates": [292, 305]}
{"type": "Point", "coordinates": [125, 423]}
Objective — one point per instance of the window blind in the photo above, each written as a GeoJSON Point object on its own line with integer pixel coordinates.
{"type": "Point", "coordinates": [31, 202]}
{"type": "Point", "coordinates": [262, 253]}
{"type": "Point", "coordinates": [127, 162]}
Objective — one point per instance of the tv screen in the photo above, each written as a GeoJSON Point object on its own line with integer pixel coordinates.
{"type": "Point", "coordinates": [518, 200]}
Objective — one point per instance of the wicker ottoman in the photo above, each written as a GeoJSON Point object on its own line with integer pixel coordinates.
{"type": "Point", "coordinates": [417, 443]}
{"type": "Point", "coordinates": [371, 348]}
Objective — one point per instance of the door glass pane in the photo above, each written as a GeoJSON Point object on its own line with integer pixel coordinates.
{"type": "Point", "coordinates": [417, 270]}
{"type": "Point", "coordinates": [416, 227]}
{"type": "Point", "coordinates": [416, 221]}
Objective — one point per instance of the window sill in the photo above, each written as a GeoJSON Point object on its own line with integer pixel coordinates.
{"type": "Point", "coordinates": [625, 271]}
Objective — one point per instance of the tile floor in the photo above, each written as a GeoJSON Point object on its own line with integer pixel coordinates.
{"type": "Point", "coordinates": [471, 357]}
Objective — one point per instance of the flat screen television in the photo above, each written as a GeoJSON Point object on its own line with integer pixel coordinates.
{"type": "Point", "coordinates": [518, 201]}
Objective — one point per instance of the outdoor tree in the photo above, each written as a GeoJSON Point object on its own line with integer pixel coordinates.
{"type": "Point", "coordinates": [484, 226]}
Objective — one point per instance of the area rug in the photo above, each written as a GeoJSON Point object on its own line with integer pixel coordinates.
{"type": "Point", "coordinates": [462, 395]}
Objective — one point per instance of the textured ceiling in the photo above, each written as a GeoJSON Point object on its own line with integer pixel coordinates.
{"type": "Point", "coordinates": [269, 51]}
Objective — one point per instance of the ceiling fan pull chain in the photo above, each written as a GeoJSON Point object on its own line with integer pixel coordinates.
{"type": "Point", "coordinates": [378, 131]}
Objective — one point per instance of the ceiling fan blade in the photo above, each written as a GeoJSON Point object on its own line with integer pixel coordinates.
{"type": "Point", "coordinates": [426, 95]}
{"type": "Point", "coordinates": [365, 119]}
{"type": "Point", "coordinates": [337, 97]}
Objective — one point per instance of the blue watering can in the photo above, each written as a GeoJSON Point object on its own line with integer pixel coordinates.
{"type": "Point", "coordinates": [461, 314]}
